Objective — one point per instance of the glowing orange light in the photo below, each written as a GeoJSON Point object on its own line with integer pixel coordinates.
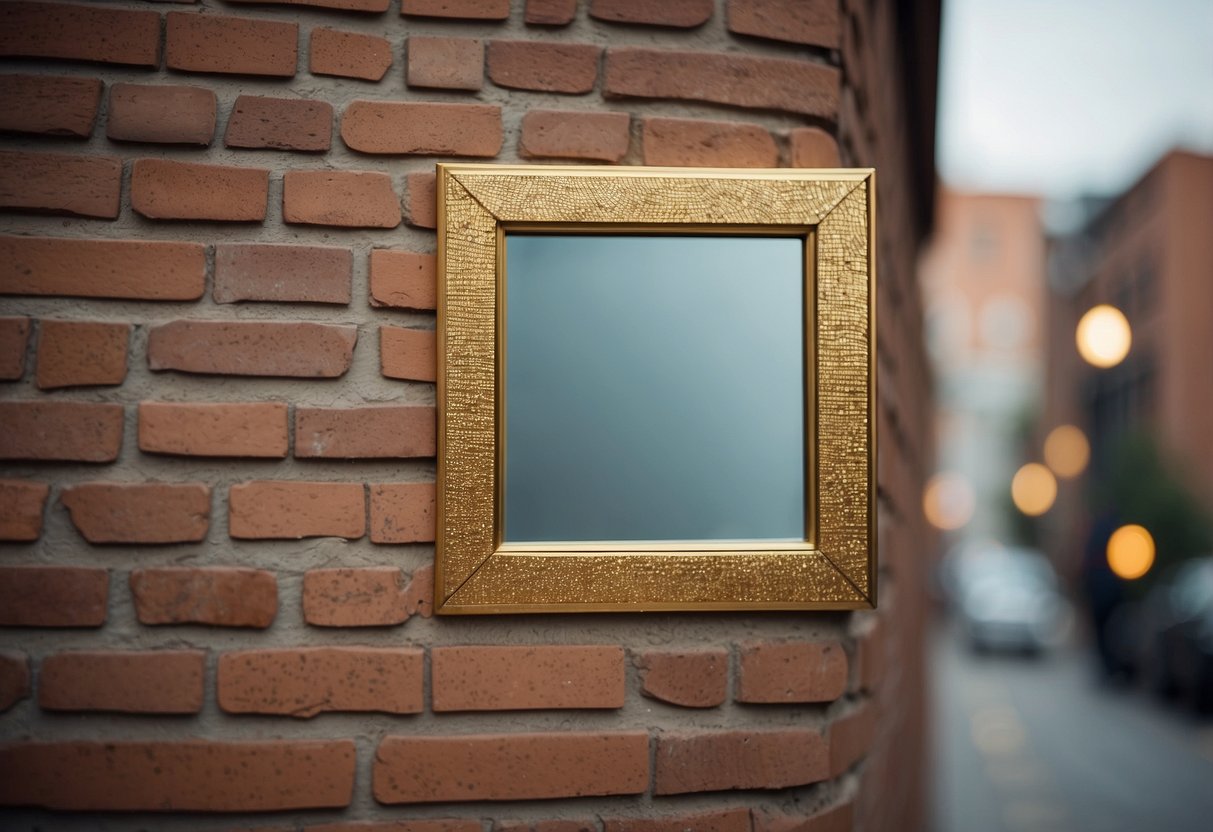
{"type": "Point", "coordinates": [1130, 552]}
{"type": "Point", "coordinates": [1033, 489]}
{"type": "Point", "coordinates": [1067, 451]}
{"type": "Point", "coordinates": [1103, 336]}
{"type": "Point", "coordinates": [948, 501]}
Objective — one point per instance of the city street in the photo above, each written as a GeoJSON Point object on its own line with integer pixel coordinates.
{"type": "Point", "coordinates": [1038, 744]}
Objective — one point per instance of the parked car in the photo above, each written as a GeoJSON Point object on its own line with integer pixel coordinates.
{"type": "Point", "coordinates": [1009, 601]}
{"type": "Point", "coordinates": [1177, 623]}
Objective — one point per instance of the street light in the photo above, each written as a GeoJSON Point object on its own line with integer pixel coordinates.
{"type": "Point", "coordinates": [1130, 552]}
{"type": "Point", "coordinates": [1103, 336]}
{"type": "Point", "coordinates": [1033, 489]}
{"type": "Point", "coordinates": [948, 501]}
{"type": "Point", "coordinates": [1067, 451]}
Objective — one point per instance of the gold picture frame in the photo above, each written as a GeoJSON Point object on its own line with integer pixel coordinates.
{"type": "Point", "coordinates": [834, 568]}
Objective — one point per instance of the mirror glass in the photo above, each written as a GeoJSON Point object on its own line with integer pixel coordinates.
{"type": "Point", "coordinates": [654, 388]}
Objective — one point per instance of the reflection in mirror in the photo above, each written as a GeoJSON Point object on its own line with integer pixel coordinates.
{"type": "Point", "coordinates": [654, 388]}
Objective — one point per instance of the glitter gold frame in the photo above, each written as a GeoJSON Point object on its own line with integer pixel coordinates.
{"type": "Point", "coordinates": [834, 567]}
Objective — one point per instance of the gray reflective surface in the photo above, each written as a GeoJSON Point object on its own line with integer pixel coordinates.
{"type": "Point", "coordinates": [654, 388]}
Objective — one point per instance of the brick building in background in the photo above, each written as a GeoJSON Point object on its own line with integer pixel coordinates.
{"type": "Point", "coordinates": [218, 423]}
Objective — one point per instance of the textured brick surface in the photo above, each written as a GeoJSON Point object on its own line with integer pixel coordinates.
{"type": "Point", "coordinates": [194, 775]}
{"type": "Point", "coordinates": [308, 681]}
{"type": "Point", "coordinates": [80, 33]}
{"type": "Point", "coordinates": [550, 12]}
{"type": "Point", "coordinates": [407, 353]}
{"type": "Point", "coordinates": [834, 819]}
{"type": "Point", "coordinates": [243, 46]}
{"type": "Point", "coordinates": [76, 353]}
{"type": "Point", "coordinates": [676, 13]}
{"type": "Point", "coordinates": [280, 123]}
{"type": "Point", "coordinates": [548, 67]}
{"type": "Point", "coordinates": [402, 512]}
{"type": "Point", "coordinates": [14, 339]}
{"type": "Point", "coordinates": [564, 134]}
{"type": "Point", "coordinates": [219, 596]}
{"type": "Point", "coordinates": [358, 199]}
{"type": "Point", "coordinates": [263, 272]}
{"type": "Point", "coordinates": [510, 766]}
{"type": "Point", "coordinates": [851, 738]}
{"type": "Point", "coordinates": [811, 22]}
{"type": "Point", "coordinates": [422, 127]}
{"type": "Point", "coordinates": [150, 682]}
{"type": "Point", "coordinates": [22, 504]}
{"type": "Point", "coordinates": [58, 183]}
{"type": "Point", "coordinates": [526, 678]}
{"type": "Point", "coordinates": [791, 672]}
{"type": "Point", "coordinates": [50, 105]}
{"type": "Point", "coordinates": [725, 820]}
{"type": "Point", "coordinates": [252, 348]}
{"type": "Point", "coordinates": [767, 759]}
{"type": "Point", "coordinates": [161, 114]}
{"type": "Point", "coordinates": [53, 596]}
{"type": "Point", "coordinates": [378, 432]}
{"type": "Point", "coordinates": [235, 429]}
{"type": "Point", "coordinates": [135, 269]}
{"type": "Point", "coordinates": [371, 6]}
{"type": "Point", "coordinates": [294, 510]}
{"type": "Point", "coordinates": [403, 279]}
{"type": "Point", "coordinates": [166, 190]}
{"type": "Point", "coordinates": [584, 825]}
{"type": "Point", "coordinates": [446, 63]}
{"type": "Point", "coordinates": [422, 200]}
{"type": "Point", "coordinates": [693, 679]}
{"type": "Point", "coordinates": [687, 142]}
{"type": "Point", "coordinates": [60, 431]}
{"type": "Point", "coordinates": [812, 147]}
{"type": "Point", "coordinates": [370, 597]}
{"type": "Point", "coordinates": [348, 54]}
{"type": "Point", "coordinates": [108, 512]}
{"type": "Point", "coordinates": [14, 678]}
{"type": "Point", "coordinates": [466, 9]}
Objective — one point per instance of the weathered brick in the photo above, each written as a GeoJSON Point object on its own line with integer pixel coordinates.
{"type": "Point", "coordinates": [111, 512]}
{"type": "Point", "coordinates": [264, 272]}
{"type": "Point", "coordinates": [81, 353]}
{"type": "Point", "coordinates": [218, 596]}
{"type": "Point", "coordinates": [798, 671]}
{"type": "Point", "coordinates": [446, 63]}
{"type": "Point", "coordinates": [371, 6]}
{"type": "Point", "coordinates": [402, 512]}
{"type": "Point", "coordinates": [870, 659]}
{"type": "Point", "coordinates": [132, 269]}
{"type": "Point", "coordinates": [150, 682]}
{"type": "Point", "coordinates": [348, 54]}
{"type": "Point", "coordinates": [810, 22]}
{"type": "Point", "coordinates": [252, 348]}
{"type": "Point", "coordinates": [723, 820]}
{"type": "Point", "coordinates": [165, 190]}
{"type": "Point", "coordinates": [466, 9]}
{"type": "Point", "coordinates": [851, 738]}
{"type": "Point", "coordinates": [14, 678]}
{"type": "Point", "coordinates": [53, 596]}
{"type": "Point", "coordinates": [835, 819]}
{"type": "Point", "coordinates": [550, 12]}
{"type": "Point", "coordinates": [369, 597]}
{"type": "Point", "coordinates": [693, 143]}
{"type": "Point", "coordinates": [512, 678]}
{"type": "Point", "coordinates": [683, 14]}
{"type": "Point", "coordinates": [762, 759]}
{"type": "Point", "coordinates": [692, 679]}
{"type": "Point", "coordinates": [422, 128]}
{"type": "Point", "coordinates": [373, 432]}
{"type": "Point", "coordinates": [547, 67]}
{"type": "Point", "coordinates": [352, 199]}
{"type": "Point", "coordinates": [49, 105]}
{"type": "Point", "coordinates": [60, 431]}
{"type": "Point", "coordinates": [234, 45]}
{"type": "Point", "coordinates": [14, 339]}
{"type": "Point", "coordinates": [232, 429]}
{"type": "Point", "coordinates": [791, 85]}
{"type": "Point", "coordinates": [161, 114]}
{"type": "Point", "coordinates": [79, 33]}
{"type": "Point", "coordinates": [812, 147]}
{"type": "Point", "coordinates": [583, 825]}
{"type": "Point", "coordinates": [280, 123]}
{"type": "Point", "coordinates": [561, 134]}
{"type": "Point", "coordinates": [185, 776]}
{"type": "Point", "coordinates": [403, 279]}
{"type": "Point", "coordinates": [56, 183]}
{"type": "Point", "coordinates": [22, 504]}
{"type": "Point", "coordinates": [422, 208]}
{"type": "Point", "coordinates": [286, 510]}
{"type": "Point", "coordinates": [311, 680]}
{"type": "Point", "coordinates": [439, 825]}
{"type": "Point", "coordinates": [408, 353]}
{"type": "Point", "coordinates": [510, 767]}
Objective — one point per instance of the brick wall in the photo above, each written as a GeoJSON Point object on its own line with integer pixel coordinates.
{"type": "Point", "coordinates": [217, 420]}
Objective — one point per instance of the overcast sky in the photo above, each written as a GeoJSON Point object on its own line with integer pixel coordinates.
{"type": "Point", "coordinates": [1061, 97]}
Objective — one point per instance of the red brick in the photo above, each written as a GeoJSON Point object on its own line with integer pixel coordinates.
{"type": "Point", "coordinates": [513, 678]}
{"type": "Point", "coordinates": [55, 183]}
{"type": "Point", "coordinates": [871, 659]}
{"type": "Point", "coordinates": [161, 114]}
{"type": "Point", "coordinates": [373, 432]}
{"type": "Point", "coordinates": [510, 767]}
{"type": "Point", "coordinates": [348, 54]}
{"type": "Point", "coordinates": [408, 353]}
{"type": "Point", "coordinates": [252, 348]}
{"type": "Point", "coordinates": [311, 680]}
{"type": "Point", "coordinates": [60, 431]}
{"type": "Point", "coordinates": [791, 85]}
{"type": "Point", "coordinates": [164, 190]}
{"type": "Point", "coordinates": [812, 147]}
{"type": "Point", "coordinates": [110, 512]}
{"type": "Point", "coordinates": [22, 504]}
{"type": "Point", "coordinates": [466, 9]}
{"type": "Point", "coordinates": [422, 128]}
{"type": "Point", "coordinates": [252, 429]}
{"type": "Point", "coordinates": [352, 199]}
{"type": "Point", "coordinates": [851, 738]}
{"type": "Point", "coordinates": [724, 820]}
{"type": "Point", "coordinates": [586, 825]}
{"type": "Point", "coordinates": [765, 759]}
{"type": "Point", "coordinates": [422, 200]}
{"type": "Point", "coordinates": [81, 353]}
{"type": "Point", "coordinates": [49, 105]}
{"type": "Point", "coordinates": [132, 269]}
{"type": "Point", "coordinates": [219, 596]}
{"type": "Point", "coordinates": [14, 339]}
{"type": "Point", "coordinates": [303, 274]}
{"type": "Point", "coordinates": [372, 6]}
{"type": "Point", "coordinates": [550, 12]}
{"type": "Point", "coordinates": [80, 33]}
{"type": "Point", "coordinates": [150, 682]}
{"type": "Point", "coordinates": [810, 22]}
{"type": "Point", "coordinates": [402, 512]}
{"type": "Point", "coordinates": [192, 775]}
{"type": "Point", "coordinates": [693, 679]}
{"type": "Point", "coordinates": [234, 45]}
{"type": "Point", "coordinates": [441, 825]}
{"type": "Point", "coordinates": [680, 141]}
{"type": "Point", "coordinates": [280, 123]}
{"type": "Point", "coordinates": [403, 279]}
{"type": "Point", "coordinates": [284, 510]}
{"type": "Point", "coordinates": [14, 678]}
{"type": "Point", "coordinates": [835, 819]}
{"type": "Point", "coordinates": [53, 596]}
{"type": "Point", "coordinates": [799, 671]}
{"type": "Point", "coordinates": [683, 14]}
{"type": "Point", "coordinates": [371, 597]}
{"type": "Point", "coordinates": [446, 63]}
{"type": "Point", "coordinates": [570, 134]}
{"type": "Point", "coordinates": [548, 67]}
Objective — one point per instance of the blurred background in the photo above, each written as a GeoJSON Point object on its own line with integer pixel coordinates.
{"type": "Point", "coordinates": [1068, 294]}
